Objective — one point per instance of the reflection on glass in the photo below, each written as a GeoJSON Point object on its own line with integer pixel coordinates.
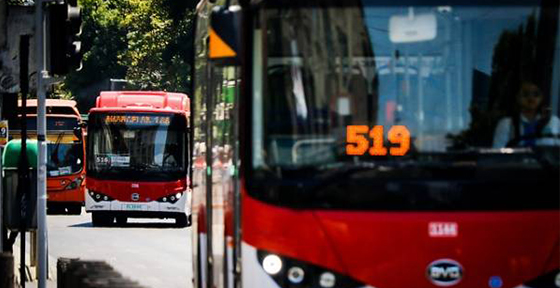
{"type": "Point", "coordinates": [64, 158]}
{"type": "Point", "coordinates": [448, 74]}
{"type": "Point", "coordinates": [397, 104]}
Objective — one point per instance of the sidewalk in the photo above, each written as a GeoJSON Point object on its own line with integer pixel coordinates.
{"type": "Point", "coordinates": [98, 273]}
{"type": "Point", "coordinates": [35, 284]}
{"type": "Point", "coordinates": [31, 271]}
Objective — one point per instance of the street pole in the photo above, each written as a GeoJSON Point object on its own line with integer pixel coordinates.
{"type": "Point", "coordinates": [42, 243]}
{"type": "Point", "coordinates": [2, 232]}
{"type": "Point", "coordinates": [23, 167]}
{"type": "Point", "coordinates": [3, 41]}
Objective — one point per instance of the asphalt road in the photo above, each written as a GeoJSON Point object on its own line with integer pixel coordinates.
{"type": "Point", "coordinates": [149, 251]}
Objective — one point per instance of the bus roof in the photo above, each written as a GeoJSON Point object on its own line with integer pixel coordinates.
{"type": "Point", "coordinates": [143, 100]}
{"type": "Point", "coordinates": [57, 107]}
{"type": "Point", "coordinates": [51, 103]}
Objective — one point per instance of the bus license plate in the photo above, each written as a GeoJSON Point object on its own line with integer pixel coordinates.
{"type": "Point", "coordinates": [133, 207]}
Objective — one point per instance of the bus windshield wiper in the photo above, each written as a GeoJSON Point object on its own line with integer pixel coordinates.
{"type": "Point", "coordinates": [336, 172]}
{"type": "Point", "coordinates": [483, 156]}
{"type": "Point", "coordinates": [54, 153]}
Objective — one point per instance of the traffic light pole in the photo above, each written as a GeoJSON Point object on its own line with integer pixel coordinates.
{"type": "Point", "coordinates": [42, 78]}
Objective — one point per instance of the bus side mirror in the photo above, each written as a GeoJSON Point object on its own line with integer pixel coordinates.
{"type": "Point", "coordinates": [225, 36]}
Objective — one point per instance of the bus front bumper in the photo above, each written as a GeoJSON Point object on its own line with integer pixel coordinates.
{"type": "Point", "coordinates": [138, 207]}
{"type": "Point", "coordinates": [66, 196]}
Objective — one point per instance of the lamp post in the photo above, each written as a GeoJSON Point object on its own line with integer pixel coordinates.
{"type": "Point", "coordinates": [42, 76]}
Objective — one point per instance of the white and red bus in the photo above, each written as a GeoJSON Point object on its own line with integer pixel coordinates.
{"type": "Point", "coordinates": [374, 143]}
{"type": "Point", "coordinates": [137, 152]}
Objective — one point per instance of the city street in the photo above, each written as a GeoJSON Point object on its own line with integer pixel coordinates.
{"type": "Point", "coordinates": [149, 251]}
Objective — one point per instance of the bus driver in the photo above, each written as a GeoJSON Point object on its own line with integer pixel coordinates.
{"type": "Point", "coordinates": [529, 126]}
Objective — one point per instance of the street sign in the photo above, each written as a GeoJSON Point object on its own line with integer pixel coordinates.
{"type": "Point", "coordinates": [3, 132]}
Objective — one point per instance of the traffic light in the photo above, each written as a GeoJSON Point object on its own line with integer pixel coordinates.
{"type": "Point", "coordinates": [65, 21]}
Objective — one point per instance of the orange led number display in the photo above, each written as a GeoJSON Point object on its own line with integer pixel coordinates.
{"type": "Point", "coordinates": [376, 134]}
{"type": "Point", "coordinates": [399, 134]}
{"type": "Point", "coordinates": [358, 144]}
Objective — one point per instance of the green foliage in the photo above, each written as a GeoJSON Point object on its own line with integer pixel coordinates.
{"type": "Point", "coordinates": [147, 42]}
{"type": "Point", "coordinates": [104, 40]}
{"type": "Point", "coordinates": [60, 92]}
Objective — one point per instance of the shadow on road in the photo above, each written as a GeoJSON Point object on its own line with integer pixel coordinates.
{"type": "Point", "coordinates": [64, 211]}
{"type": "Point", "coordinates": [82, 225]}
{"type": "Point", "coordinates": [151, 225]}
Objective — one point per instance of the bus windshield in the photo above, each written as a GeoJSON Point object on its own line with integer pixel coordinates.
{"type": "Point", "coordinates": [407, 97]}
{"type": "Point", "coordinates": [65, 154]}
{"type": "Point", "coordinates": [64, 158]}
{"type": "Point", "coordinates": [136, 146]}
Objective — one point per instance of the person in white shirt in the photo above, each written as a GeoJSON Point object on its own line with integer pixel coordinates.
{"type": "Point", "coordinates": [170, 158]}
{"type": "Point", "coordinates": [530, 126]}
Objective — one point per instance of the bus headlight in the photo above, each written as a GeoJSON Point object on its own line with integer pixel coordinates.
{"type": "Point", "coordinates": [71, 186]}
{"type": "Point", "coordinates": [289, 272]}
{"type": "Point", "coordinates": [172, 198]}
{"type": "Point", "coordinates": [74, 184]}
{"type": "Point", "coordinates": [272, 264]}
{"type": "Point", "coordinates": [327, 280]}
{"type": "Point", "coordinates": [98, 196]}
{"type": "Point", "coordinates": [296, 275]}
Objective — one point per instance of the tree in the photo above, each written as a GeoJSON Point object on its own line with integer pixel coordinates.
{"type": "Point", "coordinates": [104, 42]}
{"type": "Point", "coordinates": [147, 42]}
{"type": "Point", "coordinates": [158, 54]}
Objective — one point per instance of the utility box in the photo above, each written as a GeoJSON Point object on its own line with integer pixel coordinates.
{"type": "Point", "coordinates": [12, 205]}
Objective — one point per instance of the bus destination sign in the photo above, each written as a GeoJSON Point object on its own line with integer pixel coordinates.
{"type": "Point", "coordinates": [358, 144]}
{"type": "Point", "coordinates": [137, 119]}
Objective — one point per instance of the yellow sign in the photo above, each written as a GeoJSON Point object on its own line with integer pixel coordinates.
{"type": "Point", "coordinates": [140, 120]}
{"type": "Point", "coordinates": [3, 132]}
{"type": "Point", "coordinates": [218, 47]}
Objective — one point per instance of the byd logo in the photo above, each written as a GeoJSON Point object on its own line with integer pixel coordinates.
{"type": "Point", "coordinates": [444, 272]}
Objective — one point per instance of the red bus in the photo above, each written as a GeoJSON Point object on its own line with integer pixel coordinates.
{"type": "Point", "coordinates": [137, 151]}
{"type": "Point", "coordinates": [65, 153]}
{"type": "Point", "coordinates": [373, 143]}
